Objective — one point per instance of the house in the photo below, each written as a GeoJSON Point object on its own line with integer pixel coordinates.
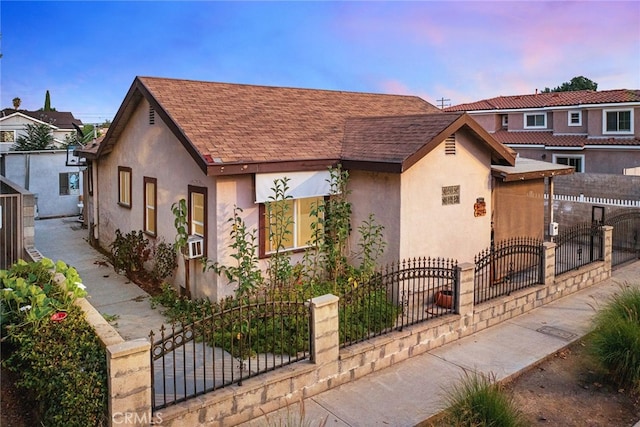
{"type": "Point", "coordinates": [593, 131]}
{"type": "Point", "coordinates": [426, 175]}
{"type": "Point", "coordinates": [13, 124]}
{"type": "Point", "coordinates": [57, 186]}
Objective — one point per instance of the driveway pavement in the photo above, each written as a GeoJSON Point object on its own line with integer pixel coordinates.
{"type": "Point", "coordinates": [110, 293]}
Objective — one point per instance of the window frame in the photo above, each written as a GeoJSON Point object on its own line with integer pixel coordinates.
{"type": "Point", "coordinates": [192, 189]}
{"type": "Point", "coordinates": [605, 113]}
{"type": "Point", "coordinates": [263, 235]}
{"type": "Point", "coordinates": [8, 142]}
{"type": "Point", "coordinates": [581, 157]}
{"type": "Point", "coordinates": [570, 113]}
{"type": "Point", "coordinates": [146, 211]}
{"type": "Point", "coordinates": [542, 126]}
{"type": "Point", "coordinates": [67, 186]}
{"type": "Point", "coordinates": [121, 201]}
{"type": "Point", "coordinates": [449, 199]}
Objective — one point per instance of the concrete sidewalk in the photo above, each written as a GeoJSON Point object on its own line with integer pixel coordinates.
{"type": "Point", "coordinates": [112, 294]}
{"type": "Point", "coordinates": [402, 395]}
{"type": "Point", "coordinates": [411, 391]}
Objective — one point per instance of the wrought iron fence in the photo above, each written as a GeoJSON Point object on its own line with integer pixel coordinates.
{"type": "Point", "coordinates": [510, 265]}
{"type": "Point", "coordinates": [401, 294]}
{"type": "Point", "coordinates": [577, 246]}
{"type": "Point", "coordinates": [237, 342]}
{"type": "Point", "coordinates": [625, 245]}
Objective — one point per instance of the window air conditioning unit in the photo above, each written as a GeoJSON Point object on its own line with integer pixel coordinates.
{"type": "Point", "coordinates": [195, 247]}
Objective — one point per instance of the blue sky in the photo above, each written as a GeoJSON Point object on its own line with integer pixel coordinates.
{"type": "Point", "coordinates": [88, 53]}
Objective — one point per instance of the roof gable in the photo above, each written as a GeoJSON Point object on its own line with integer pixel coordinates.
{"type": "Point", "coordinates": [58, 119]}
{"type": "Point", "coordinates": [396, 143]}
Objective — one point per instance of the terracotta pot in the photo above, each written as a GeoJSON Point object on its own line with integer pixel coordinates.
{"type": "Point", "coordinates": [444, 299]}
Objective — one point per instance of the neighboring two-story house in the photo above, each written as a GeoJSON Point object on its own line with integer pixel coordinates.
{"type": "Point", "coordinates": [593, 131]}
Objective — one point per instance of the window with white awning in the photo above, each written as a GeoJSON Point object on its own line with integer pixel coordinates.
{"type": "Point", "coordinates": [301, 185]}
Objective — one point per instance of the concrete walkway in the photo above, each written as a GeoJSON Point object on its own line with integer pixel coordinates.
{"type": "Point", "coordinates": [402, 395]}
{"type": "Point", "coordinates": [110, 293]}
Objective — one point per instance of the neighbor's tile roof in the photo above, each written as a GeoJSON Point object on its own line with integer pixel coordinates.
{"type": "Point", "coordinates": [548, 139]}
{"type": "Point", "coordinates": [552, 99]}
{"type": "Point", "coordinates": [246, 123]}
{"type": "Point", "coordinates": [59, 119]}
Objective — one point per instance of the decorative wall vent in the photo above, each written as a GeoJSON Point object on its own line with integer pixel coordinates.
{"type": "Point", "coordinates": [450, 145]}
{"type": "Point", "coordinates": [152, 116]}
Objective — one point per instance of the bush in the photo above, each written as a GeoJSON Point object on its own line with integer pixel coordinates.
{"type": "Point", "coordinates": [616, 338]}
{"type": "Point", "coordinates": [478, 401]}
{"type": "Point", "coordinates": [129, 252]}
{"type": "Point", "coordinates": [61, 365]}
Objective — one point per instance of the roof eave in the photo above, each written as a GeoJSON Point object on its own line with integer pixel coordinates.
{"type": "Point", "coordinates": [252, 167]}
{"type": "Point", "coordinates": [525, 176]}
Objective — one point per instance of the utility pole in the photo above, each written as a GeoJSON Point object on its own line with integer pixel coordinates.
{"type": "Point", "coordinates": [441, 102]}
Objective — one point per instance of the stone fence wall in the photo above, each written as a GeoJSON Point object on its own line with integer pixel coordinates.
{"type": "Point", "coordinates": [331, 366]}
{"type": "Point", "coordinates": [129, 362]}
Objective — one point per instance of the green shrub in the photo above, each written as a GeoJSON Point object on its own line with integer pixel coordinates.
{"type": "Point", "coordinates": [616, 337]}
{"type": "Point", "coordinates": [478, 401]}
{"type": "Point", "coordinates": [129, 252]}
{"type": "Point", "coordinates": [61, 365]}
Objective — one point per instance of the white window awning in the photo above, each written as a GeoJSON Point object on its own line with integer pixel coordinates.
{"type": "Point", "coordinates": [301, 185]}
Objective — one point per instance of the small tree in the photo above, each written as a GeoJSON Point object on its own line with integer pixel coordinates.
{"type": "Point", "coordinates": [16, 103]}
{"type": "Point", "coordinates": [576, 83]}
{"type": "Point", "coordinates": [279, 222]}
{"type": "Point", "coordinates": [47, 102]}
{"type": "Point", "coordinates": [39, 137]}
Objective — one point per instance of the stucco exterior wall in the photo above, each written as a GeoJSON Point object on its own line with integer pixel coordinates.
{"type": "Point", "coordinates": [153, 151]}
{"type": "Point", "coordinates": [561, 122]}
{"type": "Point", "coordinates": [38, 171]}
{"type": "Point", "coordinates": [378, 194]}
{"type": "Point", "coordinates": [429, 228]}
{"type": "Point", "coordinates": [595, 121]}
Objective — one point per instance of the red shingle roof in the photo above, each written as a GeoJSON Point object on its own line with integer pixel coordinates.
{"type": "Point", "coordinates": [552, 99]}
{"type": "Point", "coordinates": [548, 139]}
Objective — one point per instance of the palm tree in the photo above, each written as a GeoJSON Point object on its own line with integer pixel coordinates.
{"type": "Point", "coordinates": [16, 103]}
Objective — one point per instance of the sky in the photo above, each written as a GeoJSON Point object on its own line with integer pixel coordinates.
{"type": "Point", "coordinates": [87, 54]}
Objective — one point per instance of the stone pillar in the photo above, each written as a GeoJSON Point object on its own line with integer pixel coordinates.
{"type": "Point", "coordinates": [548, 263]}
{"type": "Point", "coordinates": [464, 300]}
{"type": "Point", "coordinates": [325, 337]}
{"type": "Point", "coordinates": [607, 236]}
{"type": "Point", "coordinates": [129, 371]}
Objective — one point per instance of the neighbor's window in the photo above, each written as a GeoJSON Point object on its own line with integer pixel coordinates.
{"type": "Point", "coordinates": [197, 211]}
{"type": "Point", "coordinates": [299, 231]}
{"type": "Point", "coordinates": [505, 121]}
{"type": "Point", "coordinates": [124, 186]}
{"type": "Point", "coordinates": [69, 183]}
{"type": "Point", "coordinates": [150, 201]}
{"type": "Point", "coordinates": [618, 121]}
{"type": "Point", "coordinates": [7, 136]}
{"type": "Point", "coordinates": [576, 161]}
{"type": "Point", "coordinates": [451, 195]}
{"type": "Point", "coordinates": [537, 120]}
{"type": "Point", "coordinates": [575, 118]}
